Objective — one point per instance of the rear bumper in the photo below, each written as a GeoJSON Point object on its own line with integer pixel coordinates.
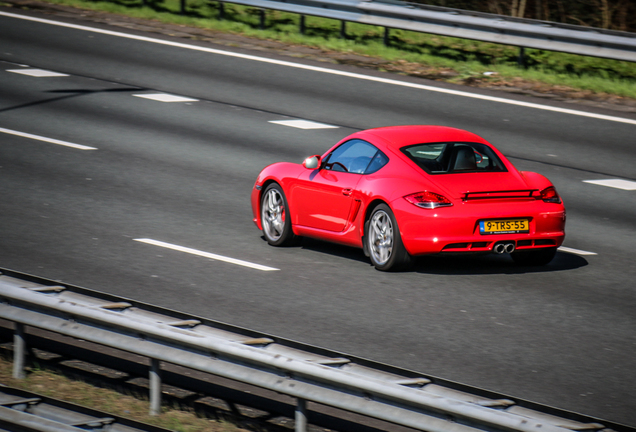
{"type": "Point", "coordinates": [455, 229]}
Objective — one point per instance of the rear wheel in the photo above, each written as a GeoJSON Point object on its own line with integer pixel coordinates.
{"type": "Point", "coordinates": [275, 217]}
{"type": "Point", "coordinates": [383, 241]}
{"type": "Point", "coordinates": [536, 257]}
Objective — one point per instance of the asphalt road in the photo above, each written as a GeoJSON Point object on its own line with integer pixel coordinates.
{"type": "Point", "coordinates": [182, 172]}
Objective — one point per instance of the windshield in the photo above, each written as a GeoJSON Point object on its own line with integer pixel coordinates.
{"type": "Point", "coordinates": [448, 158]}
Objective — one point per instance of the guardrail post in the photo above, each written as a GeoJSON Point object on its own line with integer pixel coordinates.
{"type": "Point", "coordinates": [183, 7]}
{"type": "Point", "coordinates": [302, 24]}
{"type": "Point", "coordinates": [221, 10]}
{"type": "Point", "coordinates": [301, 416]}
{"type": "Point", "coordinates": [386, 36]}
{"type": "Point", "coordinates": [343, 29]}
{"type": "Point", "coordinates": [155, 387]}
{"type": "Point", "coordinates": [262, 24]}
{"type": "Point", "coordinates": [19, 347]}
{"type": "Point", "coordinates": [521, 60]}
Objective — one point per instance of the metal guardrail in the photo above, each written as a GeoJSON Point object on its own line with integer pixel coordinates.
{"type": "Point", "coordinates": [306, 373]}
{"type": "Point", "coordinates": [484, 27]}
{"type": "Point", "coordinates": [26, 411]}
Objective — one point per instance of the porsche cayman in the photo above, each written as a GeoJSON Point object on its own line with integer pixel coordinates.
{"type": "Point", "coordinates": [404, 191]}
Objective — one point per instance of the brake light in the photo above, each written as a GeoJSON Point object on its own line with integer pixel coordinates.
{"type": "Point", "coordinates": [428, 200]}
{"type": "Point", "coordinates": [550, 195]}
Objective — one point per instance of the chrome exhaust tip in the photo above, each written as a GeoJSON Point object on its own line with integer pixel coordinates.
{"type": "Point", "coordinates": [504, 247]}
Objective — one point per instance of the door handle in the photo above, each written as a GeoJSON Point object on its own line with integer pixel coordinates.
{"type": "Point", "coordinates": [347, 191]}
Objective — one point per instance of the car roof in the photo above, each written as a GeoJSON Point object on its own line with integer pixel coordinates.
{"type": "Point", "coordinates": [396, 137]}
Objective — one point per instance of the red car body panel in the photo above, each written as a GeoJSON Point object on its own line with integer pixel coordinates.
{"type": "Point", "coordinates": [334, 206]}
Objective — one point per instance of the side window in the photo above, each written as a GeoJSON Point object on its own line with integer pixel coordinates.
{"type": "Point", "coordinates": [378, 161]}
{"type": "Point", "coordinates": [356, 156]}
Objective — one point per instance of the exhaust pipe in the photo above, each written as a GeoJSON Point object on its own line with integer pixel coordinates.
{"type": "Point", "coordinates": [504, 247]}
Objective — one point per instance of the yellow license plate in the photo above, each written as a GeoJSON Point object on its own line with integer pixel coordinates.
{"type": "Point", "coordinates": [504, 226]}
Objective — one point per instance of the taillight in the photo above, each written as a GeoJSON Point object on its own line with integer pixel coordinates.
{"type": "Point", "coordinates": [550, 195]}
{"type": "Point", "coordinates": [428, 200]}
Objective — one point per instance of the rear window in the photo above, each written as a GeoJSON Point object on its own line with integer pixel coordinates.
{"type": "Point", "coordinates": [448, 158]}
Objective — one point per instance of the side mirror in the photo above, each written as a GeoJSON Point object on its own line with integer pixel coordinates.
{"type": "Point", "coordinates": [312, 162]}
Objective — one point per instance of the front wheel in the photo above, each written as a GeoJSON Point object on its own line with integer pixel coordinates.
{"type": "Point", "coordinates": [275, 217]}
{"type": "Point", "coordinates": [383, 241]}
{"type": "Point", "coordinates": [536, 257]}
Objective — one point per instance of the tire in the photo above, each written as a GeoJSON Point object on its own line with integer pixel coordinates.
{"type": "Point", "coordinates": [275, 217]}
{"type": "Point", "coordinates": [536, 257]}
{"type": "Point", "coordinates": [383, 242]}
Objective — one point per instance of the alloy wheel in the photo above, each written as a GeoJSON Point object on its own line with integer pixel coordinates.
{"type": "Point", "coordinates": [381, 237]}
{"type": "Point", "coordinates": [273, 214]}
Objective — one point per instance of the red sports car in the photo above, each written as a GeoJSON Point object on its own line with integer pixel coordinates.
{"type": "Point", "coordinates": [402, 191]}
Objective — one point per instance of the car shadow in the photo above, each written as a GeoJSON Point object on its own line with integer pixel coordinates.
{"type": "Point", "coordinates": [492, 264]}
{"type": "Point", "coordinates": [334, 249]}
{"type": "Point", "coordinates": [454, 264]}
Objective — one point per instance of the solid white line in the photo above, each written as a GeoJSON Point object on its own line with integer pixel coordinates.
{"type": "Point", "coordinates": [206, 254]}
{"type": "Point", "coordinates": [45, 139]}
{"type": "Point", "coordinates": [575, 251]}
{"type": "Point", "coordinates": [329, 71]}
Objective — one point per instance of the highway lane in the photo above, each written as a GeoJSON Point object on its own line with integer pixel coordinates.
{"type": "Point", "coordinates": [182, 172]}
{"type": "Point", "coordinates": [310, 94]}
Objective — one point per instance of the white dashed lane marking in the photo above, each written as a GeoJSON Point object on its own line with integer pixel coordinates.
{"type": "Point", "coordinates": [164, 97]}
{"type": "Point", "coordinates": [303, 124]}
{"type": "Point", "coordinates": [206, 254]}
{"type": "Point", "coordinates": [39, 73]}
{"type": "Point", "coordinates": [575, 251]}
{"type": "Point", "coordinates": [45, 139]}
{"type": "Point", "coordinates": [614, 183]}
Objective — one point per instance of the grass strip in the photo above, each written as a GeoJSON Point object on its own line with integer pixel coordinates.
{"type": "Point", "coordinates": [50, 384]}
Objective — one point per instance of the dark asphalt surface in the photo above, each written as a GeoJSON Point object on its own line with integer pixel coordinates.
{"type": "Point", "coordinates": [563, 335]}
